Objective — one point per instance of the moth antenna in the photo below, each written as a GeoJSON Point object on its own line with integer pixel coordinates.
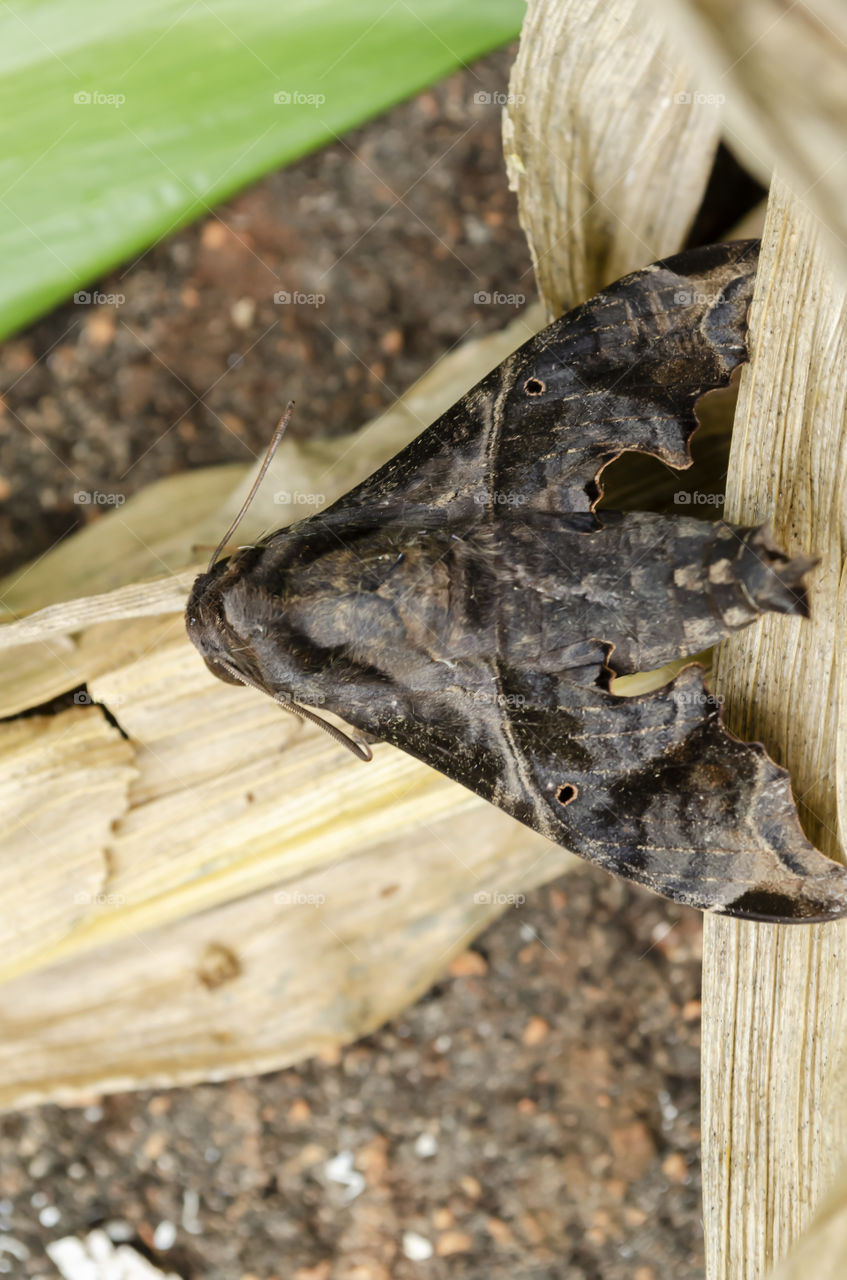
{"type": "Point", "coordinates": [271, 450]}
{"type": "Point", "coordinates": [360, 749]}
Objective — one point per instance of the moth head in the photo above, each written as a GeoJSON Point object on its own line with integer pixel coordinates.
{"type": "Point", "coordinates": [227, 652]}
{"type": "Point", "coordinates": [207, 625]}
{"type": "Point", "coordinates": [205, 617]}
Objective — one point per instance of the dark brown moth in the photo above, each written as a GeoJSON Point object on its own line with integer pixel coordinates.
{"type": "Point", "coordinates": [468, 604]}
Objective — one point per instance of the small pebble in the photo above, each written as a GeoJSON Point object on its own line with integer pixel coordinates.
{"type": "Point", "coordinates": [535, 1031]}
{"type": "Point", "coordinates": [190, 1207]}
{"type": "Point", "coordinates": [340, 1169]}
{"type": "Point", "coordinates": [391, 342]}
{"type": "Point", "coordinates": [468, 964]}
{"type": "Point", "coordinates": [17, 1248]}
{"type": "Point", "coordinates": [416, 1248]}
{"type": "Point", "coordinates": [499, 1231]}
{"type": "Point", "coordinates": [242, 313]}
{"type": "Point", "coordinates": [299, 1112]}
{"type": "Point", "coordinates": [119, 1230]}
{"type": "Point", "coordinates": [213, 235]}
{"type": "Point", "coordinates": [164, 1237]}
{"type": "Point", "coordinates": [426, 1145]}
{"type": "Point", "coordinates": [674, 1167]}
{"type": "Point", "coordinates": [453, 1242]}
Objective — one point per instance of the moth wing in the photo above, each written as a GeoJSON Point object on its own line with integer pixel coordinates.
{"type": "Point", "coordinates": [652, 788]}
{"type": "Point", "coordinates": [621, 372]}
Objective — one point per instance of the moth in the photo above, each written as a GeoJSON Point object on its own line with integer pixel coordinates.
{"type": "Point", "coordinates": [469, 604]}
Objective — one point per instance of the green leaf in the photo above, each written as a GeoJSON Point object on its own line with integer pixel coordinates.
{"type": "Point", "coordinates": [121, 122]}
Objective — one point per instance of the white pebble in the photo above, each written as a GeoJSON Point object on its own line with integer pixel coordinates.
{"type": "Point", "coordinates": [49, 1216]}
{"type": "Point", "coordinates": [190, 1207]}
{"type": "Point", "coordinates": [119, 1230]}
{"type": "Point", "coordinates": [164, 1237]}
{"type": "Point", "coordinates": [426, 1145]}
{"type": "Point", "coordinates": [242, 313]}
{"type": "Point", "coordinates": [96, 1258]}
{"type": "Point", "coordinates": [416, 1248]}
{"type": "Point", "coordinates": [340, 1169]}
{"type": "Point", "coordinates": [17, 1248]}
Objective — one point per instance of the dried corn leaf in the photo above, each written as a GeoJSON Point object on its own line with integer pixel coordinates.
{"type": "Point", "coordinates": [779, 72]}
{"type": "Point", "coordinates": [64, 782]}
{"type": "Point", "coordinates": [821, 1251]}
{"type": "Point", "coordinates": [604, 146]}
{"type": "Point", "coordinates": [259, 982]}
{"type": "Point", "coordinates": [775, 999]}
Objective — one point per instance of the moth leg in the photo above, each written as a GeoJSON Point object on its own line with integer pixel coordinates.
{"type": "Point", "coordinates": [370, 739]}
